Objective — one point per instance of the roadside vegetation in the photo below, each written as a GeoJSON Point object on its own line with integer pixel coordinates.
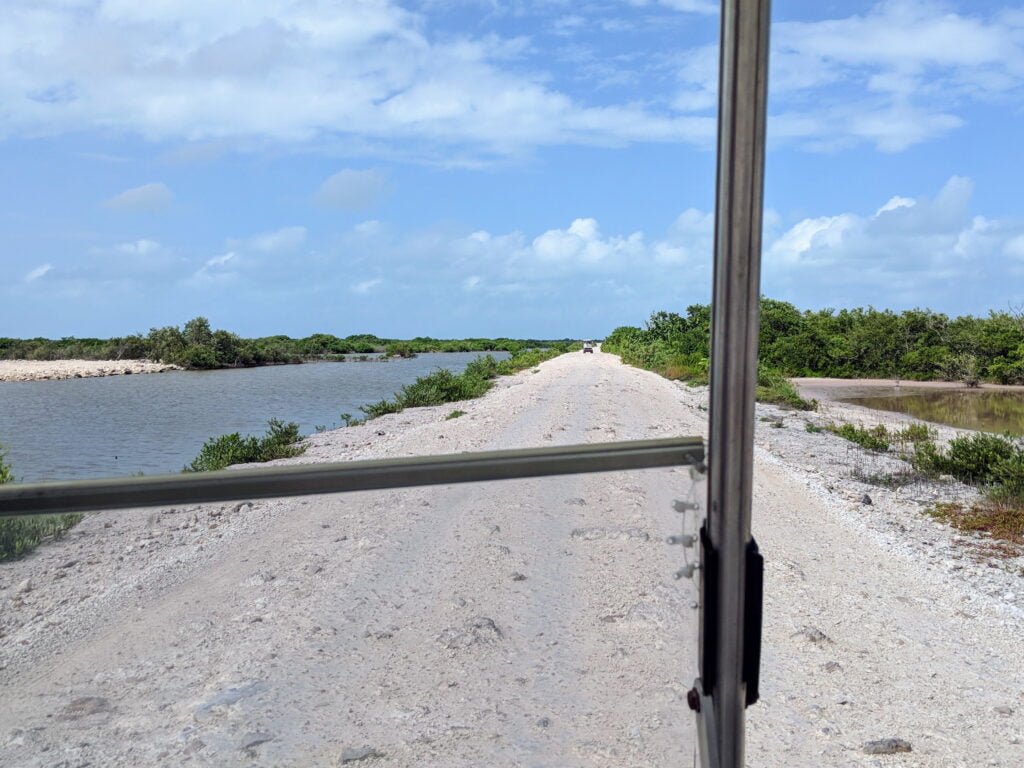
{"type": "Point", "coordinates": [198, 346]}
{"type": "Point", "coordinates": [992, 463]}
{"type": "Point", "coordinates": [917, 344]}
{"type": "Point", "coordinates": [443, 386]}
{"type": "Point", "coordinates": [20, 535]}
{"type": "Point", "coordinates": [281, 441]}
{"type": "Point", "coordinates": [879, 438]}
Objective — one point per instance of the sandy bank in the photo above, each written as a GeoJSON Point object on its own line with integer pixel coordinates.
{"type": "Point", "coordinates": [838, 389]}
{"type": "Point", "coordinates": [39, 370]}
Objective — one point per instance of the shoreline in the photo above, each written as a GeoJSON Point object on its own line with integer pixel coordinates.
{"type": "Point", "coordinates": [834, 390]}
{"type": "Point", "coordinates": [57, 370]}
{"type": "Point", "coordinates": [74, 368]}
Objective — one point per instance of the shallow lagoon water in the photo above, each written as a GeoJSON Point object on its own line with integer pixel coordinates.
{"type": "Point", "coordinates": [155, 423]}
{"type": "Point", "coordinates": [982, 409]}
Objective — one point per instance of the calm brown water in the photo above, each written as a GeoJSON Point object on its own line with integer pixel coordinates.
{"type": "Point", "coordinates": [986, 410]}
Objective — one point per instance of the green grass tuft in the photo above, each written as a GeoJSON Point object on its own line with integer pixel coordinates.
{"type": "Point", "coordinates": [20, 535]}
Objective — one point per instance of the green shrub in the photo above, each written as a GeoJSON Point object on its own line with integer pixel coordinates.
{"type": "Point", "coordinates": [971, 459]}
{"type": "Point", "coordinates": [454, 415]}
{"type": "Point", "coordinates": [443, 386]}
{"type": "Point", "coordinates": [6, 475]}
{"type": "Point", "coordinates": [913, 433]}
{"type": "Point", "coordinates": [1008, 476]}
{"type": "Point", "coordinates": [280, 442]}
{"type": "Point", "coordinates": [774, 388]}
{"type": "Point", "coordinates": [874, 439]}
{"type": "Point", "coordinates": [399, 349]}
{"type": "Point", "coordinates": [20, 535]}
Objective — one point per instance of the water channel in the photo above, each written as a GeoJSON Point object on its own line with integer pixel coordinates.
{"type": "Point", "coordinates": [989, 410]}
{"type": "Point", "coordinates": [154, 423]}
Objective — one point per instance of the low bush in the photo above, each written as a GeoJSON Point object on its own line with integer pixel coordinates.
{"type": "Point", "coordinates": [281, 441]}
{"type": "Point", "coordinates": [878, 438]}
{"type": "Point", "coordinates": [774, 388]}
{"type": "Point", "coordinates": [20, 535]}
{"type": "Point", "coordinates": [874, 439]}
{"type": "Point", "coordinates": [991, 462]}
{"type": "Point", "coordinates": [980, 459]}
{"type": "Point", "coordinates": [443, 386]}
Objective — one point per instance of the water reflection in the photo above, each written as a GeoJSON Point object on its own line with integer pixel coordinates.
{"type": "Point", "coordinates": [986, 410]}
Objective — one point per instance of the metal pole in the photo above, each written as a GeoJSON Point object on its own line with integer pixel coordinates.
{"type": "Point", "coordinates": [306, 479]}
{"type": "Point", "coordinates": [743, 77]}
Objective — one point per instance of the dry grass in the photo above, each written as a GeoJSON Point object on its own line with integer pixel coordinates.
{"type": "Point", "coordinates": [1002, 519]}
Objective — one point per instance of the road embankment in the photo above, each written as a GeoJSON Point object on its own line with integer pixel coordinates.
{"type": "Point", "coordinates": [529, 622]}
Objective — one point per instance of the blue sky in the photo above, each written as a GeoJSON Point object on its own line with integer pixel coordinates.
{"type": "Point", "coordinates": [525, 168]}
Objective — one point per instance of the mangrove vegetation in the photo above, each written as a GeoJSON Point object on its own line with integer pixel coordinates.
{"type": "Point", "coordinates": [197, 345]}
{"type": "Point", "coordinates": [916, 345]}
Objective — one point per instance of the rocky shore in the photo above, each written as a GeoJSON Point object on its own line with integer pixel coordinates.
{"type": "Point", "coordinates": [41, 370]}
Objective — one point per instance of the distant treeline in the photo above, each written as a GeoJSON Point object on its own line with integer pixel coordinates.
{"type": "Point", "coordinates": [198, 346]}
{"type": "Point", "coordinates": [917, 344]}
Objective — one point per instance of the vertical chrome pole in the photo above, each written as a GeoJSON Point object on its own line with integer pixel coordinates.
{"type": "Point", "coordinates": [743, 77]}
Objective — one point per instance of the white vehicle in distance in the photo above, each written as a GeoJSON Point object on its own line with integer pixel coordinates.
{"type": "Point", "coordinates": [588, 346]}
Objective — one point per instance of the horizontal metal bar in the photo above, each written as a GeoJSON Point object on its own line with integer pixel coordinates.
{"type": "Point", "coordinates": [307, 479]}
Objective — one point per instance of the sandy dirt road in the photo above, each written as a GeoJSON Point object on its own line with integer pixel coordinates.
{"type": "Point", "coordinates": [516, 623]}
{"type": "Point", "coordinates": [525, 623]}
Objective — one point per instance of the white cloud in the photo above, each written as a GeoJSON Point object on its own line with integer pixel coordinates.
{"type": "Point", "coordinates": [894, 203]}
{"type": "Point", "coordinates": [1015, 247]}
{"type": "Point", "coordinates": [284, 239]}
{"type": "Point", "coordinates": [216, 269]}
{"type": "Point", "coordinates": [141, 247]}
{"type": "Point", "coordinates": [147, 198]}
{"type": "Point", "coordinates": [583, 246]}
{"type": "Point", "coordinates": [38, 272]}
{"type": "Point", "coordinates": [366, 286]}
{"type": "Point", "coordinates": [904, 251]}
{"type": "Point", "coordinates": [896, 75]}
{"type": "Point", "coordinates": [926, 251]}
{"type": "Point", "coordinates": [352, 190]}
{"type": "Point", "coordinates": [295, 70]}
{"type": "Point", "coordinates": [688, 6]}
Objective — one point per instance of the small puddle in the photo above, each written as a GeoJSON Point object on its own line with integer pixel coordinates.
{"type": "Point", "coordinates": [986, 410]}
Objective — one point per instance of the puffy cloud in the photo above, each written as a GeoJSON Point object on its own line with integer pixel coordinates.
{"type": "Point", "coordinates": [894, 76]}
{"type": "Point", "coordinates": [927, 251]}
{"type": "Point", "coordinates": [147, 198]}
{"type": "Point", "coordinates": [294, 70]}
{"type": "Point", "coordinates": [352, 190]}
